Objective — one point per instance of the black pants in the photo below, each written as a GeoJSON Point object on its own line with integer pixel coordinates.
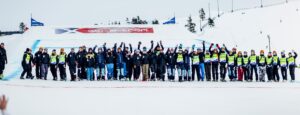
{"type": "Point", "coordinates": [275, 73]}
{"type": "Point", "coordinates": [215, 71]}
{"type": "Point", "coordinates": [246, 73]}
{"type": "Point", "coordinates": [81, 71]}
{"type": "Point", "coordinates": [270, 72]}
{"type": "Point", "coordinates": [72, 69]}
{"type": "Point", "coordinates": [292, 72]}
{"type": "Point", "coordinates": [253, 69]}
{"type": "Point", "coordinates": [161, 71]}
{"type": "Point", "coordinates": [62, 71]}
{"type": "Point", "coordinates": [222, 70]}
{"type": "Point", "coordinates": [129, 71]}
{"type": "Point", "coordinates": [208, 71]}
{"type": "Point", "coordinates": [153, 69]}
{"type": "Point", "coordinates": [27, 70]}
{"type": "Point", "coordinates": [284, 73]}
{"type": "Point", "coordinates": [53, 70]}
{"type": "Point", "coordinates": [38, 71]}
{"type": "Point", "coordinates": [137, 72]}
{"type": "Point", "coordinates": [195, 68]}
{"type": "Point", "coordinates": [2, 67]}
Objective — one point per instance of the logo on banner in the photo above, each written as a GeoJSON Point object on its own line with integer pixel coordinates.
{"type": "Point", "coordinates": [105, 30]}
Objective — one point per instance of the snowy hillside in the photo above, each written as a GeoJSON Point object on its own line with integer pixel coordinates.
{"type": "Point", "coordinates": [249, 29]}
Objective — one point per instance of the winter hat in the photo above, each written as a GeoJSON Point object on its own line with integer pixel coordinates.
{"type": "Point", "coordinates": [262, 51]}
{"type": "Point", "coordinates": [2, 43]}
{"type": "Point", "coordinates": [62, 50]}
{"type": "Point", "coordinates": [144, 49]}
{"type": "Point", "coordinates": [27, 49]}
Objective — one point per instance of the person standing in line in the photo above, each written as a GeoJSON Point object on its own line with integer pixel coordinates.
{"type": "Point", "coordinates": [246, 67]}
{"type": "Point", "coordinates": [262, 62]}
{"type": "Point", "coordinates": [292, 64]}
{"type": "Point", "coordinates": [195, 64]}
{"type": "Point", "coordinates": [283, 66]}
{"type": "Point", "coordinates": [62, 64]}
{"type": "Point", "coordinates": [53, 64]}
{"type": "Point", "coordinates": [187, 65]}
{"type": "Point", "coordinates": [215, 62]}
{"type": "Point", "coordinates": [127, 60]}
{"type": "Point", "coordinates": [240, 64]}
{"type": "Point", "coordinates": [136, 58]}
{"type": "Point", "coordinates": [27, 63]}
{"type": "Point", "coordinates": [45, 60]}
{"type": "Point", "coordinates": [223, 57]}
{"type": "Point", "coordinates": [145, 60]}
{"type": "Point", "coordinates": [80, 58]}
{"type": "Point", "coordinates": [71, 62]}
{"type": "Point", "coordinates": [38, 62]}
{"type": "Point", "coordinates": [207, 64]}
{"type": "Point", "coordinates": [90, 64]}
{"type": "Point", "coordinates": [110, 64]}
{"type": "Point", "coordinates": [179, 63]}
{"type": "Point", "coordinates": [201, 63]}
{"type": "Point", "coordinates": [270, 67]}
{"type": "Point", "coordinates": [276, 62]}
{"type": "Point", "coordinates": [161, 65]}
{"type": "Point", "coordinates": [231, 65]}
{"type": "Point", "coordinates": [3, 60]}
{"type": "Point", "coordinates": [100, 62]}
{"type": "Point", "coordinates": [253, 65]}
{"type": "Point", "coordinates": [171, 63]}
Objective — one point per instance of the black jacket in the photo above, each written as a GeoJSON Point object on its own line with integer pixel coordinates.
{"type": "Point", "coordinates": [38, 58]}
{"type": "Point", "coordinates": [71, 59]}
{"type": "Point", "coordinates": [3, 57]}
{"type": "Point", "coordinates": [45, 58]}
{"type": "Point", "coordinates": [136, 59]}
{"type": "Point", "coordinates": [24, 59]}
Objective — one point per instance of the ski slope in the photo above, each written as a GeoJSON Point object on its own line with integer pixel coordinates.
{"type": "Point", "coordinates": [245, 30]}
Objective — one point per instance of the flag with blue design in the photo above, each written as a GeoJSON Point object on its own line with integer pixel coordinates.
{"type": "Point", "coordinates": [171, 21]}
{"type": "Point", "coordinates": [36, 23]}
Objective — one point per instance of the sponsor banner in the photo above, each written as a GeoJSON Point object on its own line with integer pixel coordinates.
{"type": "Point", "coordinates": [106, 30]}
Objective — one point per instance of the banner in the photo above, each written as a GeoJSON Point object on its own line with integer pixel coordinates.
{"type": "Point", "coordinates": [106, 30]}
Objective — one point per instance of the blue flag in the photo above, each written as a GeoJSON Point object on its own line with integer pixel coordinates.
{"type": "Point", "coordinates": [36, 23]}
{"type": "Point", "coordinates": [172, 21]}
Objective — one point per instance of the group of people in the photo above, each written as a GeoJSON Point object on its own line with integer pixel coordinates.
{"type": "Point", "coordinates": [120, 63]}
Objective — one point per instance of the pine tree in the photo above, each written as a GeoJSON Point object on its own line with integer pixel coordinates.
{"type": "Point", "coordinates": [190, 25]}
{"type": "Point", "coordinates": [22, 27]}
{"type": "Point", "coordinates": [202, 17]}
{"type": "Point", "coordinates": [211, 22]}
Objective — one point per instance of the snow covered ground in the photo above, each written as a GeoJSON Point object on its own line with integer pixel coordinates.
{"type": "Point", "coordinates": [148, 98]}
{"type": "Point", "coordinates": [245, 29]}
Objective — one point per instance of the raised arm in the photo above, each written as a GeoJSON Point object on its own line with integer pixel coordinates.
{"type": "Point", "coordinates": [94, 49]}
{"type": "Point", "coordinates": [162, 47]}
{"type": "Point", "coordinates": [203, 45]}
{"type": "Point", "coordinates": [227, 51]}
{"type": "Point", "coordinates": [130, 46]}
{"type": "Point", "coordinates": [151, 47]}
{"type": "Point", "coordinates": [139, 45]}
{"type": "Point", "coordinates": [210, 47]}
{"type": "Point", "coordinates": [104, 47]}
{"type": "Point", "coordinates": [296, 55]}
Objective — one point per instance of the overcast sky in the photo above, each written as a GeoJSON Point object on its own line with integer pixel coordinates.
{"type": "Point", "coordinates": [88, 12]}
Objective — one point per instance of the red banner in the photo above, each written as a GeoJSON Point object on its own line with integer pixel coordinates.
{"type": "Point", "coordinates": [116, 30]}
